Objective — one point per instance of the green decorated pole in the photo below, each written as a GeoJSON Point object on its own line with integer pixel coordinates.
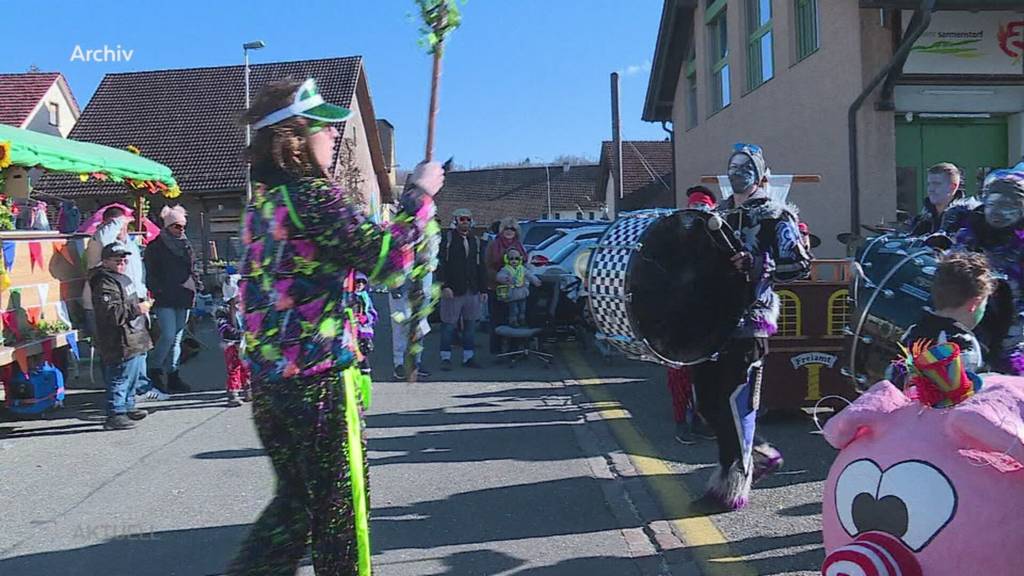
{"type": "Point", "coordinates": [440, 17]}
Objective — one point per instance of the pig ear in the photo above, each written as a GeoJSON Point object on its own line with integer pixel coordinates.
{"type": "Point", "coordinates": [993, 419]}
{"type": "Point", "coordinates": [866, 414]}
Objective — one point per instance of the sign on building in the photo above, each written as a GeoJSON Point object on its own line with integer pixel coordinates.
{"type": "Point", "coordinates": [969, 43]}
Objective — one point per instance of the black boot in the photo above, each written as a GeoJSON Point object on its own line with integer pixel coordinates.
{"type": "Point", "coordinates": [176, 384]}
{"type": "Point", "coordinates": [118, 422]}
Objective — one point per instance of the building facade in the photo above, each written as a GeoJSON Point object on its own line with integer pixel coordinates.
{"type": "Point", "coordinates": [784, 73]}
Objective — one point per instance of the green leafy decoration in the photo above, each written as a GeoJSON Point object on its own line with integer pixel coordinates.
{"type": "Point", "coordinates": [439, 17]}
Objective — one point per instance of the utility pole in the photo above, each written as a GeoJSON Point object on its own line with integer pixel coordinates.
{"type": "Point", "coordinates": [617, 143]}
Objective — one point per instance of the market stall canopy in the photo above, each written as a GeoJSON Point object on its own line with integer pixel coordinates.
{"type": "Point", "coordinates": [31, 149]}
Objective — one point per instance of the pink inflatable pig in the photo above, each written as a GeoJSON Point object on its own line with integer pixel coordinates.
{"type": "Point", "coordinates": [917, 490]}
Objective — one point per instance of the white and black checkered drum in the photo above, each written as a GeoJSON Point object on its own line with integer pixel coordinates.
{"type": "Point", "coordinates": [662, 288]}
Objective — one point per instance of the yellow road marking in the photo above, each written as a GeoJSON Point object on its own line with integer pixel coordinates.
{"type": "Point", "coordinates": [709, 546]}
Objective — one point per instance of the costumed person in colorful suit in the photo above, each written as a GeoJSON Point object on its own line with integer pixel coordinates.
{"type": "Point", "coordinates": [997, 231]}
{"type": "Point", "coordinates": [728, 386]}
{"type": "Point", "coordinates": [305, 239]}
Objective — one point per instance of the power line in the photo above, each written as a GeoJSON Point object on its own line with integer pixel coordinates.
{"type": "Point", "coordinates": [646, 165]}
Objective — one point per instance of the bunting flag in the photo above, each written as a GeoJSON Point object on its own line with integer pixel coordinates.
{"type": "Point", "coordinates": [48, 350]}
{"type": "Point", "coordinates": [34, 313]}
{"type": "Point", "coordinates": [62, 312]}
{"type": "Point", "coordinates": [13, 300]}
{"type": "Point", "coordinates": [9, 249]}
{"type": "Point", "coordinates": [35, 253]}
{"type": "Point", "coordinates": [5, 278]}
{"type": "Point", "coordinates": [10, 318]}
{"type": "Point", "coordinates": [73, 345]}
{"type": "Point", "coordinates": [60, 247]}
{"type": "Point", "coordinates": [44, 293]}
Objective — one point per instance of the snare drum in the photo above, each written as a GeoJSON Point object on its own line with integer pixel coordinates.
{"type": "Point", "coordinates": [662, 288]}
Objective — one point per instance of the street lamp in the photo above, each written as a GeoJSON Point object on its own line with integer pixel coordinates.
{"type": "Point", "coordinates": [248, 133]}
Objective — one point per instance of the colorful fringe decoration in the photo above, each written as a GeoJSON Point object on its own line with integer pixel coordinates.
{"type": "Point", "coordinates": [938, 375]}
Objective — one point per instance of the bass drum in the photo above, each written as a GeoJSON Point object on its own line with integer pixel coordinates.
{"type": "Point", "coordinates": [662, 288]}
{"type": "Point", "coordinates": [890, 295]}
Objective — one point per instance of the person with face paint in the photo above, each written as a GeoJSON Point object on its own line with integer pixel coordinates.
{"type": "Point", "coordinates": [996, 229]}
{"type": "Point", "coordinates": [945, 207]}
{"type": "Point", "coordinates": [728, 386]}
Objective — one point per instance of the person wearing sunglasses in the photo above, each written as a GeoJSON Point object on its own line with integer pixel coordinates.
{"type": "Point", "coordinates": [305, 240]}
{"type": "Point", "coordinates": [462, 276]}
{"type": "Point", "coordinates": [729, 385]}
{"type": "Point", "coordinates": [172, 277]}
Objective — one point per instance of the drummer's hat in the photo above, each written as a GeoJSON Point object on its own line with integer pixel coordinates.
{"type": "Point", "coordinates": [307, 103]}
{"type": "Point", "coordinates": [700, 195]}
{"type": "Point", "coordinates": [805, 231]}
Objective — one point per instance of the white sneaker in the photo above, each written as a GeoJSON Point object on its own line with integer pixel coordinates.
{"type": "Point", "coordinates": [155, 394]}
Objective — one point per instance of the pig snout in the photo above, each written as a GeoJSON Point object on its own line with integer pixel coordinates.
{"type": "Point", "coordinates": [872, 554]}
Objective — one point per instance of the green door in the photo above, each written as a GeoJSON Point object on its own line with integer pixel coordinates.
{"type": "Point", "coordinates": [975, 145]}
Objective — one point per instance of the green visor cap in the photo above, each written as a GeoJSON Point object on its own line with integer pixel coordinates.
{"type": "Point", "coordinates": [308, 103]}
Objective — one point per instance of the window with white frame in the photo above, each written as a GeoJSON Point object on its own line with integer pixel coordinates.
{"type": "Point", "coordinates": [54, 110]}
{"type": "Point", "coordinates": [760, 57]}
{"type": "Point", "coordinates": [718, 55]}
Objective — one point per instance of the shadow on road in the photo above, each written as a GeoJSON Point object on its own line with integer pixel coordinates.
{"type": "Point", "coordinates": [232, 454]}
{"type": "Point", "coordinates": [133, 551]}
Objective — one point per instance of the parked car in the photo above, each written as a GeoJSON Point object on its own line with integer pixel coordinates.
{"type": "Point", "coordinates": [558, 254]}
{"type": "Point", "coordinates": [534, 232]}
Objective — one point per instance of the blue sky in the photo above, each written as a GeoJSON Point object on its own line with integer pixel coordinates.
{"type": "Point", "coordinates": [522, 78]}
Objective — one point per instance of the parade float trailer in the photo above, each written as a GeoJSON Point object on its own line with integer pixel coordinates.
{"type": "Point", "coordinates": [42, 272]}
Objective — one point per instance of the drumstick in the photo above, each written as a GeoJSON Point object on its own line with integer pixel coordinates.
{"type": "Point", "coordinates": [715, 223]}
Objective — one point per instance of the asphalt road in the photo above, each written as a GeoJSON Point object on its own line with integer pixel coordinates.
{"type": "Point", "coordinates": [526, 471]}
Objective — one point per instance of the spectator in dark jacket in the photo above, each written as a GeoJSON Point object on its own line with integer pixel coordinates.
{"type": "Point", "coordinates": [171, 278]}
{"type": "Point", "coordinates": [122, 337]}
{"type": "Point", "coordinates": [945, 206]}
{"type": "Point", "coordinates": [462, 273]}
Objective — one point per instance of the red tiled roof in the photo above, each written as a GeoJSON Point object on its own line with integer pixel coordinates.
{"type": "Point", "coordinates": [187, 119]}
{"type": "Point", "coordinates": [20, 93]}
{"type": "Point", "coordinates": [493, 193]}
{"type": "Point", "coordinates": [647, 176]}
